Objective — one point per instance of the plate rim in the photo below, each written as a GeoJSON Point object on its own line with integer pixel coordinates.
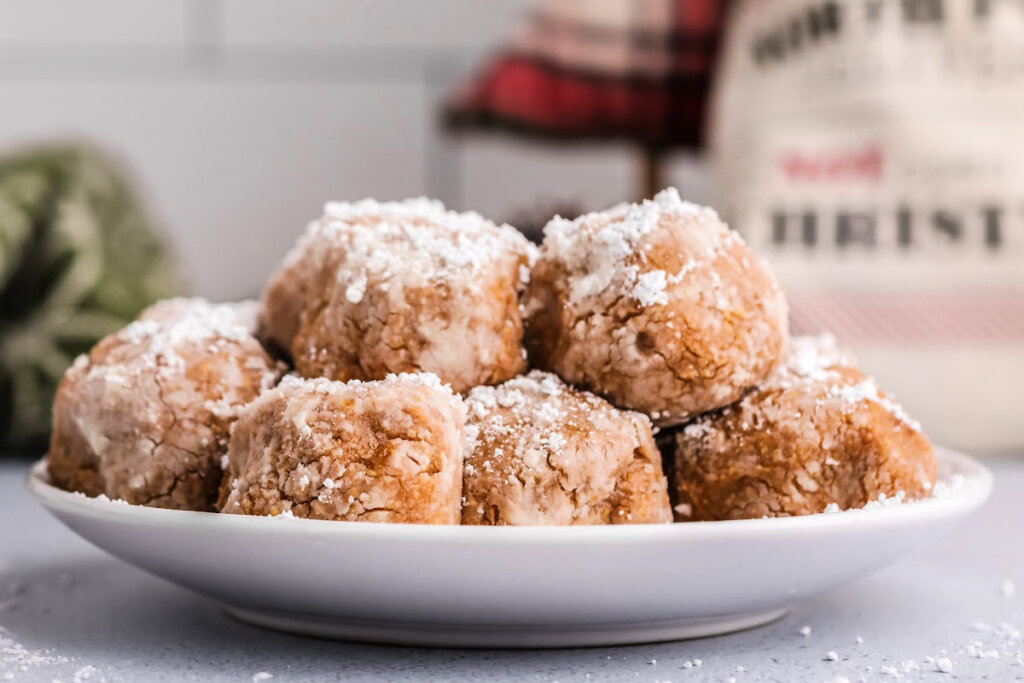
{"type": "Point", "coordinates": [970, 497]}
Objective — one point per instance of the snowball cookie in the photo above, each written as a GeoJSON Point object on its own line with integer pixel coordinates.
{"type": "Point", "coordinates": [543, 453]}
{"type": "Point", "coordinates": [384, 451]}
{"type": "Point", "coordinates": [288, 290]}
{"type": "Point", "coordinates": [145, 416]}
{"type": "Point", "coordinates": [376, 288]}
{"type": "Point", "coordinates": [659, 307]}
{"type": "Point", "coordinates": [816, 433]}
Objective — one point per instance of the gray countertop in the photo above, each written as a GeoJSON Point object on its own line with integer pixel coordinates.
{"type": "Point", "coordinates": [71, 613]}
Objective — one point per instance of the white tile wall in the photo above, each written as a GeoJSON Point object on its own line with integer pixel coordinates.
{"type": "Point", "coordinates": [240, 117]}
{"type": "Point", "coordinates": [56, 23]}
{"type": "Point", "coordinates": [237, 169]}
{"type": "Point", "coordinates": [427, 24]}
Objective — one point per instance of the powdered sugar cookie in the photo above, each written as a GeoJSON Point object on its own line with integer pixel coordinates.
{"type": "Point", "coordinates": [816, 434]}
{"type": "Point", "coordinates": [543, 453]}
{"type": "Point", "coordinates": [376, 288]}
{"type": "Point", "coordinates": [145, 416]}
{"type": "Point", "coordinates": [657, 306]}
{"type": "Point", "coordinates": [382, 451]}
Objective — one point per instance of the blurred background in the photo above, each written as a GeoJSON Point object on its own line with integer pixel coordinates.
{"type": "Point", "coordinates": [868, 148]}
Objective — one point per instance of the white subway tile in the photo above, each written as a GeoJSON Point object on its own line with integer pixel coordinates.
{"type": "Point", "coordinates": [434, 24]}
{"type": "Point", "coordinates": [236, 170]}
{"type": "Point", "coordinates": [92, 22]}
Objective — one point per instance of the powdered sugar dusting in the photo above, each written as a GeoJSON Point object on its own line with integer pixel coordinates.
{"type": "Point", "coordinates": [651, 288]}
{"type": "Point", "coordinates": [825, 421]}
{"type": "Point", "coordinates": [174, 321]}
{"type": "Point", "coordinates": [101, 497]}
{"type": "Point", "coordinates": [815, 366]}
{"type": "Point", "coordinates": [604, 252]}
{"type": "Point", "coordinates": [868, 391]}
{"type": "Point", "coordinates": [170, 336]}
{"type": "Point", "coordinates": [541, 452]}
{"type": "Point", "coordinates": [811, 357]}
{"type": "Point", "coordinates": [413, 241]}
{"type": "Point", "coordinates": [169, 332]}
{"type": "Point", "coordinates": [817, 360]}
{"type": "Point", "coordinates": [527, 414]}
{"type": "Point", "coordinates": [324, 385]}
{"type": "Point", "coordinates": [881, 501]}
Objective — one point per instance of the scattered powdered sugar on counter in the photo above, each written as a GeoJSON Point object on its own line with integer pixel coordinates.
{"type": "Point", "coordinates": [16, 659]}
{"type": "Point", "coordinates": [86, 673]}
{"type": "Point", "coordinates": [1010, 647]}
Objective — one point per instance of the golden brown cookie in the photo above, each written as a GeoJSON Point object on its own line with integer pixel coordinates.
{"type": "Point", "coordinates": [659, 307]}
{"type": "Point", "coordinates": [383, 451]}
{"type": "Point", "coordinates": [543, 453]}
{"type": "Point", "coordinates": [817, 433]}
{"type": "Point", "coordinates": [377, 288]}
{"type": "Point", "coordinates": [144, 417]}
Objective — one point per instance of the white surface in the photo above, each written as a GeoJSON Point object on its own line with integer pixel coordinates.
{"type": "Point", "coordinates": [85, 609]}
{"type": "Point", "coordinates": [513, 586]}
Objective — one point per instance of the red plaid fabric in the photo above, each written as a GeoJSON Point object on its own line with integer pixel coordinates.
{"type": "Point", "coordinates": [638, 70]}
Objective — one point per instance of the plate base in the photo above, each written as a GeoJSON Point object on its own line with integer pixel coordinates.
{"type": "Point", "coordinates": [489, 636]}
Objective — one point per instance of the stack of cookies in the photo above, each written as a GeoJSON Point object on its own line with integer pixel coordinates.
{"type": "Point", "coordinates": [408, 363]}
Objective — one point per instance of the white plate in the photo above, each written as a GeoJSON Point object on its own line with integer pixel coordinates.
{"type": "Point", "coordinates": [513, 586]}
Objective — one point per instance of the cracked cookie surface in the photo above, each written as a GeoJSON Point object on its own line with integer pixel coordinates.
{"type": "Point", "coordinates": [817, 433]}
{"type": "Point", "coordinates": [380, 451]}
{"type": "Point", "coordinates": [659, 307]}
{"type": "Point", "coordinates": [377, 288]}
{"type": "Point", "coordinates": [144, 417]}
{"type": "Point", "coordinates": [543, 453]}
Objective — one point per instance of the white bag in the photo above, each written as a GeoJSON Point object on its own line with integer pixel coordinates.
{"type": "Point", "coordinates": [873, 151]}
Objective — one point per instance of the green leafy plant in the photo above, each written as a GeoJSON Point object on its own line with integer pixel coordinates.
{"type": "Point", "coordinates": [78, 259]}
